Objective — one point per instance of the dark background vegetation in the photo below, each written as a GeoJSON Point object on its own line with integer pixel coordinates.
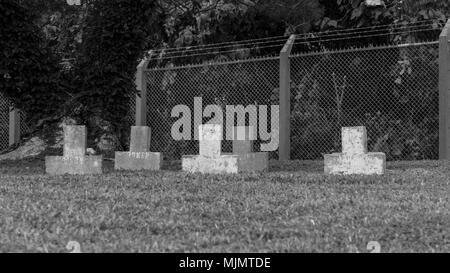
{"type": "Point", "coordinates": [59, 60]}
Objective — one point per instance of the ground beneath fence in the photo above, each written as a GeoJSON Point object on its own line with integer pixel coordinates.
{"type": "Point", "coordinates": [292, 208]}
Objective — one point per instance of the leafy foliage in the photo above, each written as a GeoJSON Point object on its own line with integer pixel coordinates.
{"type": "Point", "coordinates": [199, 22]}
{"type": "Point", "coordinates": [105, 40]}
{"type": "Point", "coordinates": [115, 35]}
{"type": "Point", "coordinates": [28, 70]}
{"type": "Point", "coordinates": [344, 14]}
{"type": "Point", "coordinates": [225, 20]}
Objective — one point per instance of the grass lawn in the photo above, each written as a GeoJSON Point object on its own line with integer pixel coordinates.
{"type": "Point", "coordinates": [293, 208]}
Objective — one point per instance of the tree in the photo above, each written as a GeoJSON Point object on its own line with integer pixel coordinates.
{"type": "Point", "coordinates": [200, 21]}
{"type": "Point", "coordinates": [115, 36]}
{"type": "Point", "coordinates": [28, 70]}
{"type": "Point", "coordinates": [356, 13]}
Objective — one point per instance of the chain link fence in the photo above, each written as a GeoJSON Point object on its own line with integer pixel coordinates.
{"type": "Point", "coordinates": [246, 83]}
{"type": "Point", "coordinates": [5, 105]}
{"type": "Point", "coordinates": [4, 122]}
{"type": "Point", "coordinates": [392, 90]}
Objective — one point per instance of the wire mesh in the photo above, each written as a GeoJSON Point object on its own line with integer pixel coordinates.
{"type": "Point", "coordinates": [25, 127]}
{"type": "Point", "coordinates": [393, 91]}
{"type": "Point", "coordinates": [4, 122]}
{"type": "Point", "coordinates": [245, 83]}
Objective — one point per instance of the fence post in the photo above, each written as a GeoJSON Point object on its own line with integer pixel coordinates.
{"type": "Point", "coordinates": [285, 100]}
{"type": "Point", "coordinates": [444, 89]}
{"type": "Point", "coordinates": [14, 126]}
{"type": "Point", "coordinates": [141, 98]}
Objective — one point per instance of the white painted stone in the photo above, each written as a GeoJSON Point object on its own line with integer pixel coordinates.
{"type": "Point", "coordinates": [214, 162]}
{"type": "Point", "coordinates": [138, 161]}
{"type": "Point", "coordinates": [354, 140]}
{"type": "Point", "coordinates": [74, 159]}
{"type": "Point", "coordinates": [139, 157]}
{"type": "Point", "coordinates": [210, 140]}
{"type": "Point", "coordinates": [225, 164]}
{"type": "Point", "coordinates": [354, 158]}
{"type": "Point", "coordinates": [74, 141]}
{"type": "Point", "coordinates": [140, 139]}
{"type": "Point", "coordinates": [348, 164]}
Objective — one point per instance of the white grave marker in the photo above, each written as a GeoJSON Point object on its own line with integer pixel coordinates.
{"type": "Point", "coordinates": [354, 158]}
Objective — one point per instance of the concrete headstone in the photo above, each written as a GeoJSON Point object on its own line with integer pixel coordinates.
{"type": "Point", "coordinates": [354, 158]}
{"type": "Point", "coordinates": [212, 160]}
{"type": "Point", "coordinates": [211, 140]}
{"type": "Point", "coordinates": [74, 159]}
{"type": "Point", "coordinates": [139, 157]}
{"type": "Point", "coordinates": [243, 147]}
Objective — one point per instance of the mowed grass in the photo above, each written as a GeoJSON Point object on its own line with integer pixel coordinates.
{"type": "Point", "coordinates": [293, 208]}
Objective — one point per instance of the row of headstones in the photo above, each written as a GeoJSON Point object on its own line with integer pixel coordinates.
{"type": "Point", "coordinates": [354, 158]}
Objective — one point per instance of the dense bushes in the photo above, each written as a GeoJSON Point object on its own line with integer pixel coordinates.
{"type": "Point", "coordinates": [112, 35]}
{"type": "Point", "coordinates": [105, 38]}
{"type": "Point", "coordinates": [115, 35]}
{"type": "Point", "coordinates": [28, 71]}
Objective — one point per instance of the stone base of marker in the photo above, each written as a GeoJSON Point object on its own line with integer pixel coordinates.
{"type": "Point", "coordinates": [354, 158]}
{"type": "Point", "coordinates": [138, 161]}
{"type": "Point", "coordinates": [60, 165]}
{"type": "Point", "coordinates": [211, 160]}
{"type": "Point", "coordinates": [221, 165]}
{"type": "Point", "coordinates": [226, 163]}
{"type": "Point", "coordinates": [249, 161]}
{"type": "Point", "coordinates": [253, 162]}
{"type": "Point", "coordinates": [139, 158]}
{"type": "Point", "coordinates": [74, 159]}
{"type": "Point", "coordinates": [366, 164]}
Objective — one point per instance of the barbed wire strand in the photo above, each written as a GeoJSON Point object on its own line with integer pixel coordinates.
{"type": "Point", "coordinates": [224, 47]}
{"type": "Point", "coordinates": [223, 43]}
{"type": "Point", "coordinates": [405, 28]}
{"type": "Point", "coordinates": [356, 31]}
{"type": "Point", "coordinates": [255, 47]}
{"type": "Point", "coordinates": [307, 35]}
{"type": "Point", "coordinates": [320, 41]}
{"type": "Point", "coordinates": [351, 30]}
{"type": "Point", "coordinates": [402, 29]}
{"type": "Point", "coordinates": [221, 52]}
{"type": "Point", "coordinates": [366, 36]}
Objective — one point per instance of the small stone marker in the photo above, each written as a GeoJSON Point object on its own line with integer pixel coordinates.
{"type": "Point", "coordinates": [243, 147]}
{"type": "Point", "coordinates": [74, 159]}
{"type": "Point", "coordinates": [243, 139]}
{"type": "Point", "coordinates": [139, 157]}
{"type": "Point", "coordinates": [211, 140]}
{"type": "Point", "coordinates": [354, 158]}
{"type": "Point", "coordinates": [211, 160]}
